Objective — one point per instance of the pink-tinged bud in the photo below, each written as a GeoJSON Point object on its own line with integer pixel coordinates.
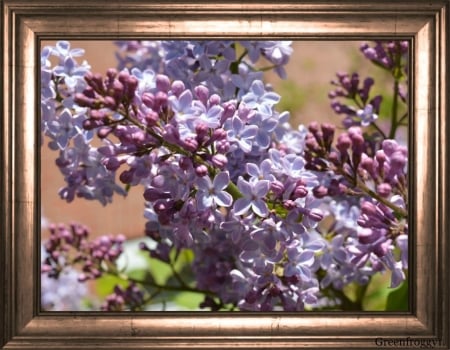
{"type": "Point", "coordinates": [300, 192]}
{"type": "Point", "coordinates": [218, 134]}
{"type": "Point", "coordinates": [162, 83]}
{"type": "Point", "coordinates": [229, 108]}
{"type": "Point", "coordinates": [315, 214]}
{"type": "Point", "coordinates": [214, 100]}
{"type": "Point", "coordinates": [178, 87]}
{"type": "Point", "coordinates": [151, 118]}
{"type": "Point", "coordinates": [397, 162]}
{"type": "Point", "coordinates": [320, 191]}
{"type": "Point", "coordinates": [219, 161]}
{"type": "Point", "coordinates": [148, 99]}
{"type": "Point", "coordinates": [367, 235]}
{"type": "Point", "coordinates": [117, 90]}
{"type": "Point", "coordinates": [104, 132]}
{"type": "Point", "coordinates": [343, 143]}
{"type": "Point", "coordinates": [389, 147]}
{"type": "Point", "coordinates": [369, 209]}
{"type": "Point", "coordinates": [82, 277]}
{"type": "Point", "coordinates": [110, 102]}
{"type": "Point", "coordinates": [97, 114]}
{"type": "Point", "coordinates": [202, 93]}
{"type": "Point", "coordinates": [333, 157]}
{"type": "Point", "coordinates": [277, 187]}
{"type": "Point", "coordinates": [384, 189]}
{"type": "Point", "coordinates": [201, 170]}
{"type": "Point", "coordinates": [289, 204]}
{"type": "Point", "coordinates": [131, 85]}
{"type": "Point", "coordinates": [111, 73]}
{"type": "Point", "coordinates": [160, 100]}
{"type": "Point", "coordinates": [83, 101]}
{"type": "Point", "coordinates": [190, 144]}
{"type": "Point", "coordinates": [314, 127]}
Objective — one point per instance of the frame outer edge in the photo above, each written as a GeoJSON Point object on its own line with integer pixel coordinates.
{"type": "Point", "coordinates": [16, 202]}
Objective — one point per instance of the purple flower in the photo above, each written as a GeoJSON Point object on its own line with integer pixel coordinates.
{"type": "Point", "coordinates": [240, 133]}
{"type": "Point", "coordinates": [367, 115]}
{"type": "Point", "coordinates": [253, 193]}
{"type": "Point", "coordinates": [212, 193]}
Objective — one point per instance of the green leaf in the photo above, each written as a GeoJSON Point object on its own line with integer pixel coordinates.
{"type": "Point", "coordinates": [398, 299]}
{"type": "Point", "coordinates": [104, 285]}
{"type": "Point", "coordinates": [189, 300]}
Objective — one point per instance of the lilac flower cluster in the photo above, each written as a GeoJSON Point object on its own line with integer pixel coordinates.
{"type": "Point", "coordinates": [68, 246]}
{"type": "Point", "coordinates": [224, 175]}
{"type": "Point", "coordinates": [131, 298]}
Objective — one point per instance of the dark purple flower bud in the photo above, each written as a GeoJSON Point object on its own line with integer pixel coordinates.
{"type": "Point", "coordinates": [315, 214]}
{"type": "Point", "coordinates": [300, 192]}
{"type": "Point", "coordinates": [320, 191]}
{"type": "Point", "coordinates": [111, 73]}
{"type": "Point", "coordinates": [126, 176]}
{"type": "Point", "coordinates": [289, 204]}
{"type": "Point", "coordinates": [153, 194]}
{"type": "Point", "coordinates": [369, 209]}
{"type": "Point", "coordinates": [190, 144]}
{"type": "Point", "coordinates": [185, 163]}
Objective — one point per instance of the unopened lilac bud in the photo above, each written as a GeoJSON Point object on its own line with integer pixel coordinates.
{"type": "Point", "coordinates": [397, 162]}
{"type": "Point", "coordinates": [389, 147]}
{"type": "Point", "coordinates": [315, 214]}
{"type": "Point", "coordinates": [104, 132]}
{"type": "Point", "coordinates": [300, 192]}
{"type": "Point", "coordinates": [151, 118]}
{"type": "Point", "coordinates": [367, 235]}
{"type": "Point", "coordinates": [384, 189]}
{"type": "Point", "coordinates": [160, 100]}
{"type": "Point", "coordinates": [83, 101]}
{"type": "Point", "coordinates": [277, 187]}
{"type": "Point", "coordinates": [178, 87]}
{"type": "Point", "coordinates": [162, 82]}
{"type": "Point", "coordinates": [313, 127]}
{"type": "Point", "coordinates": [219, 160]}
{"type": "Point", "coordinates": [223, 146]}
{"type": "Point", "coordinates": [202, 93]}
{"type": "Point", "coordinates": [111, 73]}
{"type": "Point", "coordinates": [110, 102]}
{"type": "Point", "coordinates": [229, 108]}
{"type": "Point", "coordinates": [289, 204]}
{"type": "Point", "coordinates": [201, 170]}
{"type": "Point", "coordinates": [132, 84]}
{"type": "Point", "coordinates": [320, 191]}
{"type": "Point", "coordinates": [369, 209]}
{"type": "Point", "coordinates": [185, 163]}
{"type": "Point", "coordinates": [328, 132]}
{"type": "Point", "coordinates": [214, 100]}
{"type": "Point", "coordinates": [152, 194]}
{"type": "Point", "coordinates": [343, 143]}
{"type": "Point", "coordinates": [126, 177]}
{"type": "Point", "coordinates": [148, 99]}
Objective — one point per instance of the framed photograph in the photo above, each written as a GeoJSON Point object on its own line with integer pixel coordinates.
{"type": "Point", "coordinates": [403, 212]}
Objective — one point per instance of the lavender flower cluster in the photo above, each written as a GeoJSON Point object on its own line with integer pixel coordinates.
{"type": "Point", "coordinates": [225, 175]}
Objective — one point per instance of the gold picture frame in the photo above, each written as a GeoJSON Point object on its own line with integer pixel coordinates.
{"type": "Point", "coordinates": [25, 23]}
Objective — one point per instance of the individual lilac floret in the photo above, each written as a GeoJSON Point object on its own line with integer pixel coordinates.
{"type": "Point", "coordinates": [367, 115]}
{"type": "Point", "coordinates": [213, 193]}
{"type": "Point", "coordinates": [253, 193]}
{"type": "Point", "coordinates": [240, 133]}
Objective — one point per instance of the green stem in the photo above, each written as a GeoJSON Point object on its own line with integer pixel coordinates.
{"type": "Point", "coordinates": [394, 121]}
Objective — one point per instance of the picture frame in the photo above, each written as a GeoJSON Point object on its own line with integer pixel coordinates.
{"type": "Point", "coordinates": [425, 24]}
